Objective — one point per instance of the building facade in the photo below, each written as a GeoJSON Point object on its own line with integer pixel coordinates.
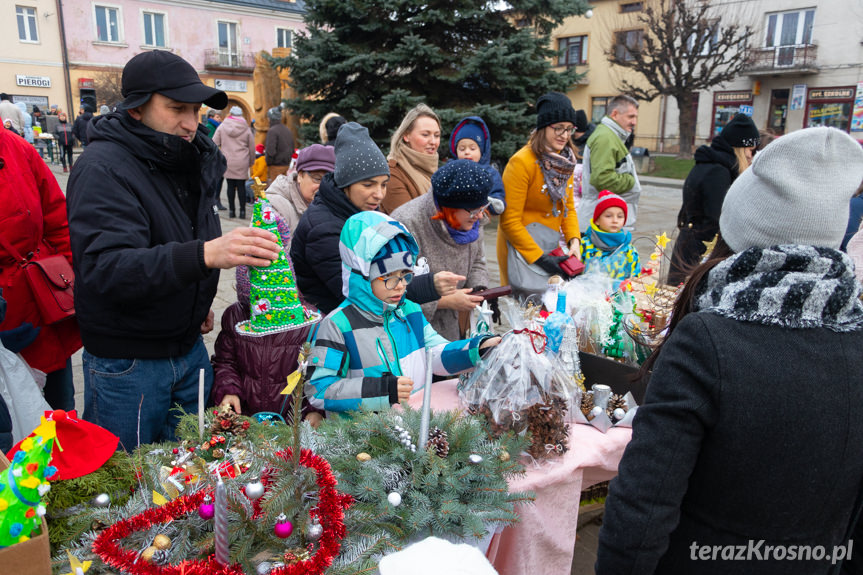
{"type": "Point", "coordinates": [805, 67]}
{"type": "Point", "coordinates": [31, 55]}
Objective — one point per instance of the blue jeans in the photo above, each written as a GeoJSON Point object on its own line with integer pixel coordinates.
{"type": "Point", "coordinates": [135, 398]}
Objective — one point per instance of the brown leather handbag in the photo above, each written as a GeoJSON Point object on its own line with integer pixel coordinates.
{"type": "Point", "coordinates": [51, 280]}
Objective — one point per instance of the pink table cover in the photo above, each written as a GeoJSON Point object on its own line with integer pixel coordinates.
{"type": "Point", "coordinates": [544, 540]}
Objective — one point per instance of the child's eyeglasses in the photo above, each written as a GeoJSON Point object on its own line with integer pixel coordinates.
{"type": "Point", "coordinates": [477, 213]}
{"type": "Point", "coordinates": [393, 282]}
{"type": "Point", "coordinates": [561, 130]}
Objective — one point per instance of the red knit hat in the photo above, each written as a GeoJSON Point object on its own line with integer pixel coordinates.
{"type": "Point", "coordinates": [608, 200]}
{"type": "Point", "coordinates": [81, 447]}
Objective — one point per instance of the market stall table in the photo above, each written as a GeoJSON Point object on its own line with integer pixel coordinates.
{"type": "Point", "coordinates": [544, 540]}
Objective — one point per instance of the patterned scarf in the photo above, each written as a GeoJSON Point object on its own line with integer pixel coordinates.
{"type": "Point", "coordinates": [608, 241]}
{"type": "Point", "coordinates": [788, 285]}
{"type": "Point", "coordinates": [557, 169]}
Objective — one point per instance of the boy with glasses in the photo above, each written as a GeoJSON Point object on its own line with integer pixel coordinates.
{"type": "Point", "coordinates": [371, 350]}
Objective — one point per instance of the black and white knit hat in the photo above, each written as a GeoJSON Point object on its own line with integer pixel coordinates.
{"type": "Point", "coordinates": [461, 184]}
{"type": "Point", "coordinates": [741, 132]}
{"type": "Point", "coordinates": [552, 108]}
{"type": "Point", "coordinates": [797, 191]}
{"type": "Point", "coordinates": [358, 158]}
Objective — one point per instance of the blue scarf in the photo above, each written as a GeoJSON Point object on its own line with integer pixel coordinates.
{"type": "Point", "coordinates": [463, 237]}
{"type": "Point", "coordinates": [608, 241]}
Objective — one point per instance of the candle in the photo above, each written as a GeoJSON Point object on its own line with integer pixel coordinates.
{"type": "Point", "coordinates": [201, 405]}
{"type": "Point", "coordinates": [221, 530]}
{"type": "Point", "coordinates": [426, 413]}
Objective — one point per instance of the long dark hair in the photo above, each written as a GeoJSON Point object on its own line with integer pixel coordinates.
{"type": "Point", "coordinates": [684, 302]}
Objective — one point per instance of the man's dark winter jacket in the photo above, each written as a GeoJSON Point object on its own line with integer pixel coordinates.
{"type": "Point", "coordinates": [139, 214]}
{"type": "Point", "coordinates": [748, 432]}
{"type": "Point", "coordinates": [315, 251]}
{"type": "Point", "coordinates": [279, 145]}
{"type": "Point", "coordinates": [79, 128]}
{"type": "Point", "coordinates": [703, 193]}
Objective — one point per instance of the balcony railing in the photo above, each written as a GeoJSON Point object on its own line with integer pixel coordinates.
{"type": "Point", "coordinates": [783, 60]}
{"type": "Point", "coordinates": [229, 61]}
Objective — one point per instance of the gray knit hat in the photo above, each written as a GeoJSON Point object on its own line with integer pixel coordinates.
{"type": "Point", "coordinates": [797, 191]}
{"type": "Point", "coordinates": [357, 156]}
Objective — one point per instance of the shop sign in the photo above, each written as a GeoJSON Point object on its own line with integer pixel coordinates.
{"type": "Point", "coordinates": [230, 85]}
{"type": "Point", "coordinates": [732, 96]}
{"type": "Point", "coordinates": [831, 94]}
{"type": "Point", "coordinates": [33, 81]}
{"type": "Point", "coordinates": [86, 83]}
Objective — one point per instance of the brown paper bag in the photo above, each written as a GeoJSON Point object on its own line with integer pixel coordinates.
{"type": "Point", "coordinates": [32, 557]}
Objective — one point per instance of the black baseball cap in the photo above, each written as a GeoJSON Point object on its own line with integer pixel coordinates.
{"type": "Point", "coordinates": [168, 74]}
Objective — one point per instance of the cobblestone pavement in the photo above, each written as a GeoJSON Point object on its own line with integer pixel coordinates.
{"type": "Point", "coordinates": [658, 207]}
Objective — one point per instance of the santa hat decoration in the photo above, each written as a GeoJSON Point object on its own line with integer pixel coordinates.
{"type": "Point", "coordinates": [81, 447]}
{"type": "Point", "coordinates": [608, 200]}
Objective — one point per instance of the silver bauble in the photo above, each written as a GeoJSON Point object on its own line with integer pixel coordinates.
{"type": "Point", "coordinates": [474, 459]}
{"type": "Point", "coordinates": [618, 414]}
{"type": "Point", "coordinates": [264, 568]}
{"type": "Point", "coordinates": [314, 531]}
{"type": "Point", "coordinates": [254, 490]}
{"type": "Point", "coordinates": [102, 500]}
{"type": "Point", "coordinates": [395, 498]}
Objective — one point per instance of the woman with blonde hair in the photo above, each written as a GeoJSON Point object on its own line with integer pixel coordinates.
{"type": "Point", "coordinates": [716, 167]}
{"type": "Point", "coordinates": [413, 157]}
{"type": "Point", "coordinates": [538, 182]}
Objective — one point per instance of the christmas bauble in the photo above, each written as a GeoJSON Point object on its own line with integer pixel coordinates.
{"type": "Point", "coordinates": [474, 459]}
{"type": "Point", "coordinates": [364, 457]}
{"type": "Point", "coordinates": [147, 554]}
{"type": "Point", "coordinates": [161, 541]}
{"type": "Point", "coordinates": [283, 528]}
{"type": "Point", "coordinates": [254, 490]}
{"type": "Point", "coordinates": [207, 510]}
{"type": "Point", "coordinates": [314, 531]}
{"type": "Point", "coordinates": [596, 411]}
{"type": "Point", "coordinates": [618, 414]}
{"type": "Point", "coordinates": [102, 500]}
{"type": "Point", "coordinates": [264, 568]}
{"type": "Point", "coordinates": [504, 455]}
{"type": "Point", "coordinates": [395, 498]}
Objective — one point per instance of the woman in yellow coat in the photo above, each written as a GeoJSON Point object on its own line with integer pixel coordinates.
{"type": "Point", "coordinates": [539, 201]}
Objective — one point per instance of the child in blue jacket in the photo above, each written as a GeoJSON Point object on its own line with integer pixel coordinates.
{"type": "Point", "coordinates": [470, 140]}
{"type": "Point", "coordinates": [371, 350]}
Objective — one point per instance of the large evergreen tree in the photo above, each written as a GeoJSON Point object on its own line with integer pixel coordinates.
{"type": "Point", "coordinates": [372, 60]}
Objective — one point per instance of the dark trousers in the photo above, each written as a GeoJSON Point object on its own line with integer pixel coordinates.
{"type": "Point", "coordinates": [59, 388]}
{"type": "Point", "coordinates": [237, 189]}
{"type": "Point", "coordinates": [66, 155]}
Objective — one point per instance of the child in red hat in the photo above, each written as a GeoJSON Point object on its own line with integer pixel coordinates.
{"type": "Point", "coordinates": [607, 248]}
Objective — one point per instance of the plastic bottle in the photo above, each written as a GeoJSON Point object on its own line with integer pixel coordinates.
{"type": "Point", "coordinates": [556, 323]}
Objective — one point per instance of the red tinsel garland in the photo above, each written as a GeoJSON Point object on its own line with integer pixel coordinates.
{"type": "Point", "coordinates": [330, 511]}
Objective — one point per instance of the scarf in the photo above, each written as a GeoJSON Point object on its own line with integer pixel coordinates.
{"type": "Point", "coordinates": [789, 286]}
{"type": "Point", "coordinates": [418, 166]}
{"type": "Point", "coordinates": [557, 170]}
{"type": "Point", "coordinates": [462, 237]}
{"type": "Point", "coordinates": [608, 241]}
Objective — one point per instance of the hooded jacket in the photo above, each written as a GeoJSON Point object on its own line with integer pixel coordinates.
{"type": "Point", "coordinates": [703, 193]}
{"type": "Point", "coordinates": [79, 128]}
{"type": "Point", "coordinates": [315, 251]}
{"type": "Point", "coordinates": [484, 160]}
{"type": "Point", "coordinates": [363, 346]}
{"type": "Point", "coordinates": [139, 214]}
{"type": "Point", "coordinates": [237, 143]}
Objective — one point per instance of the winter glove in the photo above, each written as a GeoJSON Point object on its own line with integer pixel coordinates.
{"type": "Point", "coordinates": [551, 264]}
{"type": "Point", "coordinates": [20, 337]}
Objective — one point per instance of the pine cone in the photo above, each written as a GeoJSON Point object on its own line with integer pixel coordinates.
{"type": "Point", "coordinates": [438, 441]}
{"type": "Point", "coordinates": [586, 404]}
{"type": "Point", "coordinates": [161, 557]}
{"type": "Point", "coordinates": [549, 434]}
{"type": "Point", "coordinates": [614, 402]}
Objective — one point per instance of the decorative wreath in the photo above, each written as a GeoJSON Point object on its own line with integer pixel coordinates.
{"type": "Point", "coordinates": [330, 511]}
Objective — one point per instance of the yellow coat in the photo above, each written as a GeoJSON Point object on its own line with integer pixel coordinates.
{"type": "Point", "coordinates": [527, 203]}
{"type": "Point", "coordinates": [259, 168]}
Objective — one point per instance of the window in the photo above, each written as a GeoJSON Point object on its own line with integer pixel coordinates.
{"type": "Point", "coordinates": [228, 51]}
{"type": "Point", "coordinates": [107, 24]}
{"type": "Point", "coordinates": [573, 50]}
{"type": "Point", "coordinates": [631, 7]}
{"type": "Point", "coordinates": [26, 24]}
{"type": "Point", "coordinates": [597, 109]}
{"type": "Point", "coordinates": [705, 39]}
{"type": "Point", "coordinates": [284, 37]}
{"type": "Point", "coordinates": [626, 43]}
{"type": "Point", "coordinates": [789, 28]}
{"type": "Point", "coordinates": [154, 29]}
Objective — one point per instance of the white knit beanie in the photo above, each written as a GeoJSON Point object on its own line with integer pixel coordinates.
{"type": "Point", "coordinates": [433, 556]}
{"type": "Point", "coordinates": [797, 191]}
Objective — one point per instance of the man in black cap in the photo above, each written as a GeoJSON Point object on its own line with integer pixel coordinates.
{"type": "Point", "coordinates": [147, 247]}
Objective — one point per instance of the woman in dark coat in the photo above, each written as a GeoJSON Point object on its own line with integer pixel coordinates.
{"type": "Point", "coordinates": [716, 167]}
{"type": "Point", "coordinates": [750, 434]}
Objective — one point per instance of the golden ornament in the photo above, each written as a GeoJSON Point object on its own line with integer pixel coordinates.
{"type": "Point", "coordinates": [162, 541]}
{"type": "Point", "coordinates": [504, 455]}
{"type": "Point", "coordinates": [364, 457]}
{"type": "Point", "coordinates": [147, 554]}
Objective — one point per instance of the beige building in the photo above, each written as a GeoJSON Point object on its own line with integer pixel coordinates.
{"type": "Point", "coordinates": [31, 54]}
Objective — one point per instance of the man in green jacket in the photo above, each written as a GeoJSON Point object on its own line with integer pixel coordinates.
{"type": "Point", "coordinates": [608, 164]}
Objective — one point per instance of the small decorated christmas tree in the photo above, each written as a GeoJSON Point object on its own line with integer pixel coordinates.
{"type": "Point", "coordinates": [274, 298]}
